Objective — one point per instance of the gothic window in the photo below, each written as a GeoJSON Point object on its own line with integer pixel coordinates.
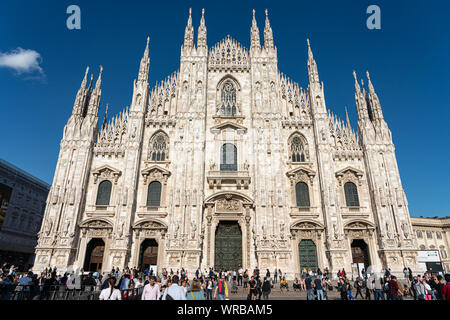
{"type": "Point", "coordinates": [228, 99]}
{"type": "Point", "coordinates": [351, 195]}
{"type": "Point", "coordinates": [297, 150]}
{"type": "Point", "coordinates": [438, 235]}
{"type": "Point", "coordinates": [104, 193]}
{"type": "Point", "coordinates": [228, 157]}
{"type": "Point", "coordinates": [429, 235]}
{"type": "Point", "coordinates": [302, 195]}
{"type": "Point", "coordinates": [419, 234]}
{"type": "Point", "coordinates": [154, 194]}
{"type": "Point", "coordinates": [159, 147]}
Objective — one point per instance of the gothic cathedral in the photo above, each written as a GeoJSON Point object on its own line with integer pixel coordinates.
{"type": "Point", "coordinates": [226, 163]}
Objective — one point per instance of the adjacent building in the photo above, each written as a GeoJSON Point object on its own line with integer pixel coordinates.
{"type": "Point", "coordinates": [433, 240]}
{"type": "Point", "coordinates": [22, 205]}
{"type": "Point", "coordinates": [227, 162]}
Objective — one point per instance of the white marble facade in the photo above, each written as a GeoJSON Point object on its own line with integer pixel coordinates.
{"type": "Point", "coordinates": [226, 94]}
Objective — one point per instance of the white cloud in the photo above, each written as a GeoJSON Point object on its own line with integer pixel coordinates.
{"type": "Point", "coordinates": [21, 61]}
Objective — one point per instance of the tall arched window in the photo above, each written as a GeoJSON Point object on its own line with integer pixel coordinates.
{"type": "Point", "coordinates": [228, 99]}
{"type": "Point", "coordinates": [351, 194]}
{"type": "Point", "coordinates": [302, 195]}
{"type": "Point", "coordinates": [228, 157]}
{"type": "Point", "coordinates": [154, 194]}
{"type": "Point", "coordinates": [104, 193]}
{"type": "Point", "coordinates": [159, 147]}
{"type": "Point", "coordinates": [297, 150]}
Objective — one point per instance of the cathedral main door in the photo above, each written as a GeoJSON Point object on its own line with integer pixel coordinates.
{"type": "Point", "coordinates": [228, 246]}
{"type": "Point", "coordinates": [308, 255]}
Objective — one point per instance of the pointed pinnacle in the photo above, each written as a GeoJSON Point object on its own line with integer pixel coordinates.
{"type": "Point", "coordinates": [310, 53]}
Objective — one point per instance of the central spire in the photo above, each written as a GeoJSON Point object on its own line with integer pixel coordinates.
{"type": "Point", "coordinates": [254, 34]}
{"type": "Point", "coordinates": [313, 73]}
{"type": "Point", "coordinates": [145, 64]}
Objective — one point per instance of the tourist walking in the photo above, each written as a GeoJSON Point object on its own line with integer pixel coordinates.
{"type": "Point", "coordinates": [151, 291]}
{"type": "Point", "coordinates": [309, 288]}
{"type": "Point", "coordinates": [319, 288]}
{"type": "Point", "coordinates": [174, 292]}
{"type": "Point", "coordinates": [111, 293]}
{"type": "Point", "coordinates": [266, 288]}
{"type": "Point", "coordinates": [196, 292]}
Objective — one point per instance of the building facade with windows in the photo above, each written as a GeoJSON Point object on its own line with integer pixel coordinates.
{"type": "Point", "coordinates": [22, 205]}
{"type": "Point", "coordinates": [433, 239]}
{"type": "Point", "coordinates": [227, 162]}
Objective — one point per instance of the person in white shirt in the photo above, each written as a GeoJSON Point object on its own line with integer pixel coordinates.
{"type": "Point", "coordinates": [151, 291]}
{"type": "Point", "coordinates": [111, 293]}
{"type": "Point", "coordinates": [174, 291]}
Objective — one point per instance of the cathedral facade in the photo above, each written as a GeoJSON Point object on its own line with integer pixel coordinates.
{"type": "Point", "coordinates": [227, 163]}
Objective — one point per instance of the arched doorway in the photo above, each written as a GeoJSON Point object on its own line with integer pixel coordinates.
{"type": "Point", "coordinates": [148, 254]}
{"type": "Point", "coordinates": [228, 246]}
{"type": "Point", "coordinates": [360, 255]}
{"type": "Point", "coordinates": [93, 260]}
{"type": "Point", "coordinates": [307, 252]}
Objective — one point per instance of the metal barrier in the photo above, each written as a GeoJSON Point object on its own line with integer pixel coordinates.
{"type": "Point", "coordinates": [60, 292]}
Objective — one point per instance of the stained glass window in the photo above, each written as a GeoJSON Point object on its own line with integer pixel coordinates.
{"type": "Point", "coordinates": [297, 150]}
{"type": "Point", "coordinates": [228, 157]}
{"type": "Point", "coordinates": [228, 99]}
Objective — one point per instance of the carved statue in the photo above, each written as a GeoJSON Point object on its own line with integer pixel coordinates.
{"type": "Point", "coordinates": [120, 229]}
{"type": "Point", "coordinates": [335, 231]}
{"type": "Point", "coordinates": [212, 165]}
{"type": "Point", "coordinates": [246, 165]}
{"type": "Point", "coordinates": [405, 230]}
{"type": "Point", "coordinates": [282, 227]}
{"type": "Point", "coordinates": [193, 229]}
{"type": "Point", "coordinates": [48, 226]}
{"type": "Point", "coordinates": [66, 226]}
{"type": "Point", "coordinates": [388, 231]}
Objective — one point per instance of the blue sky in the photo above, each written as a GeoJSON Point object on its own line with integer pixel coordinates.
{"type": "Point", "coordinates": [408, 60]}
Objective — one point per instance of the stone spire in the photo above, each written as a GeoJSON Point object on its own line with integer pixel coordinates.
{"type": "Point", "coordinates": [373, 100]}
{"type": "Point", "coordinates": [189, 33]}
{"type": "Point", "coordinates": [82, 96]}
{"type": "Point", "coordinates": [201, 37]}
{"type": "Point", "coordinates": [94, 101]}
{"type": "Point", "coordinates": [105, 119]}
{"type": "Point", "coordinates": [145, 64]}
{"type": "Point", "coordinates": [312, 66]}
{"type": "Point", "coordinates": [360, 99]}
{"type": "Point", "coordinates": [254, 34]}
{"type": "Point", "coordinates": [268, 34]}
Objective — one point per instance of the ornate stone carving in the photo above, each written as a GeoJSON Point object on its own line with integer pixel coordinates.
{"type": "Point", "coordinates": [107, 173]}
{"type": "Point", "coordinates": [228, 204]}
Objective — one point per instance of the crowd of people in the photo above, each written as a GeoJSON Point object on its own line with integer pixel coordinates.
{"type": "Point", "coordinates": [211, 284]}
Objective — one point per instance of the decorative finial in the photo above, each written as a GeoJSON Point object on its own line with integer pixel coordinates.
{"type": "Point", "coordinates": [354, 76]}
{"type": "Point", "coordinates": [254, 13]}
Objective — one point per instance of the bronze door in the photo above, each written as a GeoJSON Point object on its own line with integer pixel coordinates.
{"type": "Point", "coordinates": [228, 246]}
{"type": "Point", "coordinates": [307, 252]}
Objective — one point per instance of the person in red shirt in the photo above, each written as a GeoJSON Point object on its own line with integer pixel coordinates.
{"type": "Point", "coordinates": [446, 289]}
{"type": "Point", "coordinates": [393, 288]}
